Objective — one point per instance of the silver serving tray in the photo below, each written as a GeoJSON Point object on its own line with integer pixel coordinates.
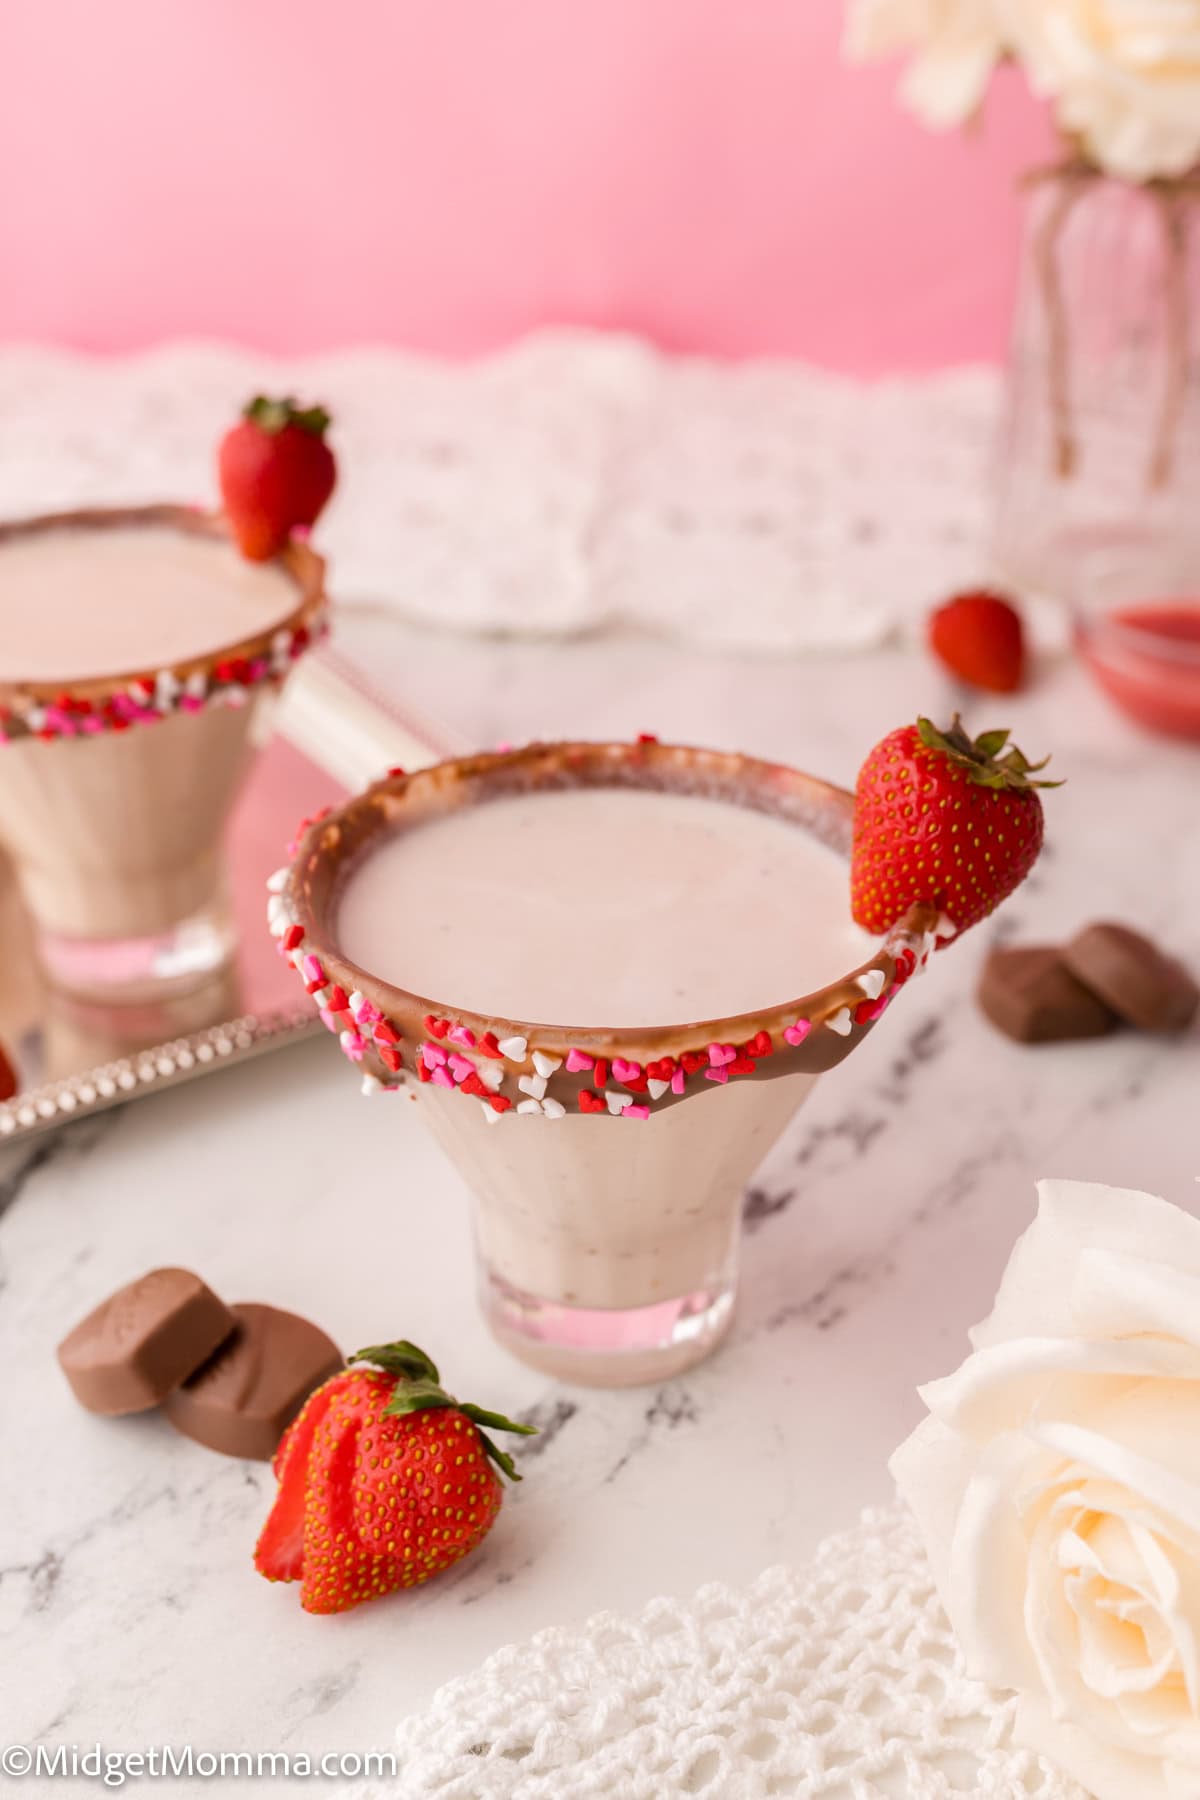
{"type": "Point", "coordinates": [331, 733]}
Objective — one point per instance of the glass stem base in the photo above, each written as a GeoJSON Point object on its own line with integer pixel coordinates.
{"type": "Point", "coordinates": [607, 1346]}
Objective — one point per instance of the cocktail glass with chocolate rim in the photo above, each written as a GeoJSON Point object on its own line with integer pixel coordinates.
{"type": "Point", "coordinates": [607, 1161]}
{"type": "Point", "coordinates": [112, 622]}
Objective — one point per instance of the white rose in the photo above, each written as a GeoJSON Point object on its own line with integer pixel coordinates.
{"type": "Point", "coordinates": [1057, 1486]}
{"type": "Point", "coordinates": [957, 43]}
{"type": "Point", "coordinates": [1124, 77]}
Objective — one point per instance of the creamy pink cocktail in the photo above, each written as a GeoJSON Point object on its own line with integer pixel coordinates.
{"type": "Point", "coordinates": [111, 623]}
{"type": "Point", "coordinates": [508, 934]}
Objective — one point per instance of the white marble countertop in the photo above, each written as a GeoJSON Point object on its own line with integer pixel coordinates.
{"type": "Point", "coordinates": [129, 1611]}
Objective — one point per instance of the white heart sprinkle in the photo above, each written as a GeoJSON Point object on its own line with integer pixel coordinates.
{"type": "Point", "coordinates": [616, 1102]}
{"type": "Point", "coordinates": [553, 1109]}
{"type": "Point", "coordinates": [277, 882]}
{"type": "Point", "coordinates": [945, 927]}
{"type": "Point", "coordinates": [546, 1065]}
{"type": "Point", "coordinates": [354, 1002]}
{"type": "Point", "coordinates": [489, 1112]}
{"type": "Point", "coordinates": [840, 1022]}
{"type": "Point", "coordinates": [529, 1106]}
{"type": "Point", "coordinates": [372, 1085]}
{"type": "Point", "coordinates": [491, 1075]}
{"type": "Point", "coordinates": [657, 1088]}
{"type": "Point", "coordinates": [532, 1084]}
{"type": "Point", "coordinates": [514, 1048]}
{"type": "Point", "coordinates": [873, 983]}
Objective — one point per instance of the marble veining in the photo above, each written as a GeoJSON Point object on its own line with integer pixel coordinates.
{"type": "Point", "coordinates": [878, 1227]}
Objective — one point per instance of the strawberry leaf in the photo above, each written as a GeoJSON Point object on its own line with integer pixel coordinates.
{"type": "Point", "coordinates": [980, 757]}
{"type": "Point", "coordinates": [401, 1359]}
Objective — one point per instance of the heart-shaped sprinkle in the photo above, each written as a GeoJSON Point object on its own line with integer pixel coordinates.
{"type": "Point", "coordinates": [867, 1011]}
{"type": "Point", "coordinates": [532, 1084]}
{"type": "Point", "coordinates": [693, 1060]}
{"type": "Point", "coordinates": [742, 1065]}
{"type": "Point", "coordinates": [625, 1071]}
{"type": "Point", "coordinates": [760, 1045]}
{"type": "Point", "coordinates": [589, 1102]}
{"type": "Point", "coordinates": [390, 1058]}
{"type": "Point", "coordinates": [514, 1048]}
{"type": "Point", "coordinates": [329, 1021]}
{"type": "Point", "coordinates": [577, 1062]}
{"type": "Point", "coordinates": [678, 1081]}
{"type": "Point", "coordinates": [720, 1054]}
{"type": "Point", "coordinates": [600, 1072]}
{"type": "Point", "coordinates": [338, 1000]}
{"type": "Point", "coordinates": [462, 1034]}
{"type": "Point", "coordinates": [635, 1112]}
{"type": "Point", "coordinates": [616, 1102]}
{"type": "Point", "coordinates": [489, 1114]}
{"type": "Point", "coordinates": [872, 982]}
{"type": "Point", "coordinates": [293, 937]}
{"type": "Point", "coordinates": [796, 1034]}
{"type": "Point", "coordinates": [366, 1012]}
{"type": "Point", "coordinates": [313, 970]}
{"type": "Point", "coordinates": [499, 1103]}
{"type": "Point", "coordinates": [460, 1066]}
{"type": "Point", "coordinates": [490, 1076]}
{"type": "Point", "coordinates": [657, 1088]}
{"type": "Point", "coordinates": [721, 1074]}
{"type": "Point", "coordinates": [432, 1055]}
{"type": "Point", "coordinates": [354, 1044]}
{"type": "Point", "coordinates": [472, 1085]}
{"type": "Point", "coordinates": [422, 1070]}
{"type": "Point", "coordinates": [546, 1065]}
{"type": "Point", "coordinates": [663, 1069]}
{"type": "Point", "coordinates": [442, 1077]}
{"type": "Point", "coordinates": [488, 1046]}
{"type": "Point", "coordinates": [945, 927]}
{"type": "Point", "coordinates": [435, 1027]}
{"type": "Point", "coordinates": [384, 1033]}
{"type": "Point", "coordinates": [553, 1109]}
{"type": "Point", "coordinates": [278, 881]}
{"type": "Point", "coordinates": [529, 1106]}
{"type": "Point", "coordinates": [371, 1085]}
{"type": "Point", "coordinates": [840, 1021]}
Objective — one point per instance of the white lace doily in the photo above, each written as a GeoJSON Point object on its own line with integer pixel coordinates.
{"type": "Point", "coordinates": [576, 479]}
{"type": "Point", "coordinates": [842, 1681]}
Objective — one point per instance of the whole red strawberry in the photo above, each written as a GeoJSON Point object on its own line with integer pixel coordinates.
{"type": "Point", "coordinates": [980, 638]}
{"type": "Point", "coordinates": [384, 1481]}
{"type": "Point", "coordinates": [944, 818]}
{"type": "Point", "coordinates": [276, 472]}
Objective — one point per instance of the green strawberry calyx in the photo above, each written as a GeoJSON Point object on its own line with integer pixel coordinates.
{"type": "Point", "coordinates": [274, 416]}
{"type": "Point", "coordinates": [990, 760]}
{"type": "Point", "coordinates": [419, 1389]}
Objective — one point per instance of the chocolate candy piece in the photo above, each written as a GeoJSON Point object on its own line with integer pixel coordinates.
{"type": "Point", "coordinates": [143, 1341]}
{"type": "Point", "coordinates": [248, 1393]}
{"type": "Point", "coordinates": [1029, 994]}
{"type": "Point", "coordinates": [1133, 976]}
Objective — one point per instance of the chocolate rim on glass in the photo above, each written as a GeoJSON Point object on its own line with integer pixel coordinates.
{"type": "Point", "coordinates": [630, 1145]}
{"type": "Point", "coordinates": [115, 829]}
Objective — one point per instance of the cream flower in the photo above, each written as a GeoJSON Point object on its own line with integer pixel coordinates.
{"type": "Point", "coordinates": [1057, 1485]}
{"type": "Point", "coordinates": [957, 42]}
{"type": "Point", "coordinates": [1123, 76]}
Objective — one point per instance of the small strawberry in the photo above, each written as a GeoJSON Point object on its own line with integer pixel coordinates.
{"type": "Point", "coordinates": [384, 1481]}
{"type": "Point", "coordinates": [276, 472]}
{"type": "Point", "coordinates": [942, 818]}
{"type": "Point", "coordinates": [980, 638]}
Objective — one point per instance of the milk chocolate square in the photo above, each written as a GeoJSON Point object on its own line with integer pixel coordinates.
{"type": "Point", "coordinates": [248, 1393]}
{"type": "Point", "coordinates": [142, 1341]}
{"type": "Point", "coordinates": [1138, 980]}
{"type": "Point", "coordinates": [1029, 994]}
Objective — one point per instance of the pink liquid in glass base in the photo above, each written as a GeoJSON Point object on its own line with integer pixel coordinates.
{"type": "Point", "coordinates": [1146, 657]}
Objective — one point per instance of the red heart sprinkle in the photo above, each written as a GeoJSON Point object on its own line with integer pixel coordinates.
{"type": "Point", "coordinates": [742, 1065]}
{"type": "Point", "coordinates": [499, 1103]}
{"type": "Point", "coordinates": [759, 1045]}
{"type": "Point", "coordinates": [293, 937]}
{"type": "Point", "coordinates": [437, 1027]}
{"type": "Point", "coordinates": [473, 1085]}
{"type": "Point", "coordinates": [867, 1011]}
{"type": "Point", "coordinates": [635, 1083]}
{"type": "Point", "coordinates": [487, 1046]}
{"type": "Point", "coordinates": [391, 1060]}
{"type": "Point", "coordinates": [693, 1060]}
{"type": "Point", "coordinates": [424, 1072]}
{"type": "Point", "coordinates": [338, 1000]}
{"type": "Point", "coordinates": [589, 1102]}
{"type": "Point", "coordinates": [600, 1072]}
{"type": "Point", "coordinates": [385, 1033]}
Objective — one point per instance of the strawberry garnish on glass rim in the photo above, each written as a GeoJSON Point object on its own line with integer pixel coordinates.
{"type": "Point", "coordinates": [385, 1479]}
{"type": "Point", "coordinates": [276, 473]}
{"type": "Point", "coordinates": [943, 818]}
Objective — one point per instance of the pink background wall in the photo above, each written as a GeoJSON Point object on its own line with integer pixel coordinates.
{"type": "Point", "coordinates": [446, 173]}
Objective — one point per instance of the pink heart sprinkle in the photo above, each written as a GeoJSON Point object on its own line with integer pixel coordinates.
{"type": "Point", "coordinates": [462, 1034]}
{"type": "Point", "coordinates": [576, 1061]}
{"type": "Point", "coordinates": [721, 1074]}
{"type": "Point", "coordinates": [433, 1056]}
{"type": "Point", "coordinates": [635, 1112]}
{"type": "Point", "coordinates": [796, 1034]}
{"type": "Point", "coordinates": [368, 1013]}
{"type": "Point", "coordinates": [443, 1077]}
{"type": "Point", "coordinates": [625, 1070]}
{"type": "Point", "coordinates": [460, 1067]}
{"type": "Point", "coordinates": [329, 1020]}
{"type": "Point", "coordinates": [678, 1081]}
{"type": "Point", "coordinates": [312, 969]}
{"type": "Point", "coordinates": [720, 1054]}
